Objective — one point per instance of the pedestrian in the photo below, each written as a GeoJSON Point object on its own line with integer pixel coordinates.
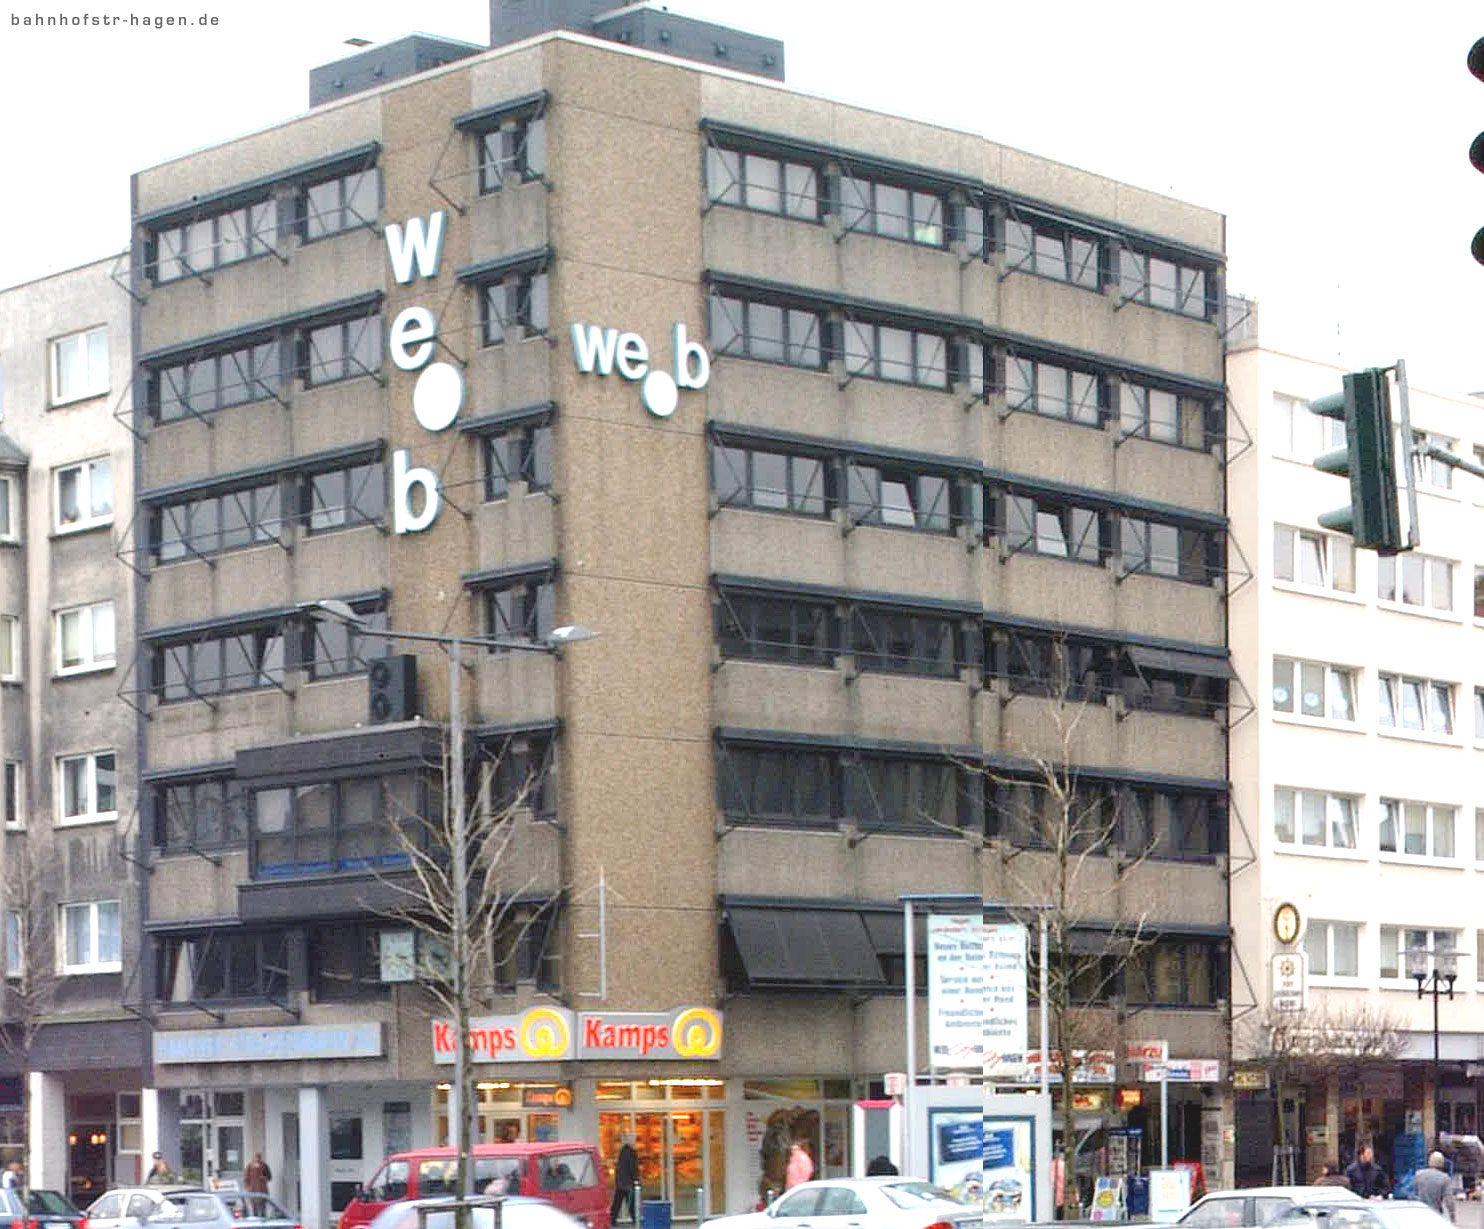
{"type": "Point", "coordinates": [10, 1180]}
{"type": "Point", "coordinates": [625, 1178]}
{"type": "Point", "coordinates": [1435, 1187]}
{"type": "Point", "coordinates": [1332, 1175]}
{"type": "Point", "coordinates": [880, 1167]}
{"type": "Point", "coordinates": [159, 1174]}
{"type": "Point", "coordinates": [1366, 1178]}
{"type": "Point", "coordinates": [800, 1166]}
{"type": "Point", "coordinates": [257, 1175]}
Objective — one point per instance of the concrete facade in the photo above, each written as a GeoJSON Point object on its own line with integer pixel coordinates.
{"type": "Point", "coordinates": [805, 698]}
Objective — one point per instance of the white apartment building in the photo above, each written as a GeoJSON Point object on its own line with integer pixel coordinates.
{"type": "Point", "coordinates": [1356, 787]}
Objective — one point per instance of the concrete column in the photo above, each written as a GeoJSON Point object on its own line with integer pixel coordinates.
{"type": "Point", "coordinates": [149, 1128]}
{"type": "Point", "coordinates": [273, 1110]}
{"type": "Point", "coordinates": [314, 1160]}
{"type": "Point", "coordinates": [46, 1163]}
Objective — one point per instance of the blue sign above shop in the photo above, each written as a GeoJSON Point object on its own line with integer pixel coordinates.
{"type": "Point", "coordinates": [257, 1045]}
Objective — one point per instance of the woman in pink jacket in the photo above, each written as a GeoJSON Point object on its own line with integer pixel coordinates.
{"type": "Point", "coordinates": [800, 1167]}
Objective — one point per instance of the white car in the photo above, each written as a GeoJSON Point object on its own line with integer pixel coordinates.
{"type": "Point", "coordinates": [860, 1203]}
{"type": "Point", "coordinates": [1256, 1206]}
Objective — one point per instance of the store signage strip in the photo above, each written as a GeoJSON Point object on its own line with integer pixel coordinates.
{"type": "Point", "coordinates": [554, 1034]}
{"type": "Point", "coordinates": [290, 1043]}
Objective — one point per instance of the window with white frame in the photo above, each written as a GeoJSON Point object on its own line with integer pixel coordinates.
{"type": "Point", "coordinates": [80, 365]}
{"type": "Point", "coordinates": [1314, 819]}
{"type": "Point", "coordinates": [1418, 829]}
{"type": "Point", "coordinates": [10, 508]}
{"type": "Point", "coordinates": [10, 648]}
{"type": "Point", "coordinates": [1397, 940]}
{"type": "Point", "coordinates": [1314, 689]}
{"type": "Point", "coordinates": [1333, 948]}
{"type": "Point", "coordinates": [1415, 704]}
{"type": "Point", "coordinates": [15, 798]}
{"type": "Point", "coordinates": [1312, 558]}
{"type": "Point", "coordinates": [87, 787]}
{"type": "Point", "coordinates": [1429, 470]}
{"type": "Point", "coordinates": [14, 951]}
{"type": "Point", "coordinates": [91, 937]}
{"type": "Point", "coordinates": [1415, 580]}
{"type": "Point", "coordinates": [340, 204]}
{"type": "Point", "coordinates": [85, 639]}
{"type": "Point", "coordinates": [1479, 834]}
{"type": "Point", "coordinates": [1299, 432]}
{"type": "Point", "coordinates": [84, 495]}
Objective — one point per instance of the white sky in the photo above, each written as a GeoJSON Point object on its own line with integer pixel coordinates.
{"type": "Point", "coordinates": [1334, 136]}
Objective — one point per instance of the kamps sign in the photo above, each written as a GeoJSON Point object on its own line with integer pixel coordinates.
{"type": "Point", "coordinates": [415, 249]}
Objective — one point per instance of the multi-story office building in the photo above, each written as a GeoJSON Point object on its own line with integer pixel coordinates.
{"type": "Point", "coordinates": [1354, 779]}
{"type": "Point", "coordinates": [832, 425]}
{"type": "Point", "coordinates": [66, 634]}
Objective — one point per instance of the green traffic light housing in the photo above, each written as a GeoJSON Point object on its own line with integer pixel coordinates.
{"type": "Point", "coordinates": [1476, 150]}
{"type": "Point", "coordinates": [1368, 460]}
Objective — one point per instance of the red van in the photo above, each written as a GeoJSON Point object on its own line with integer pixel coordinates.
{"type": "Point", "coordinates": [567, 1173]}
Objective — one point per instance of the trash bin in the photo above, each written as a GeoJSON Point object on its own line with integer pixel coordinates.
{"type": "Point", "coordinates": [656, 1214]}
{"type": "Point", "coordinates": [1138, 1196]}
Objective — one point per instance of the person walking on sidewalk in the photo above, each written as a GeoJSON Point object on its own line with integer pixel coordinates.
{"type": "Point", "coordinates": [625, 1178]}
{"type": "Point", "coordinates": [1435, 1187]}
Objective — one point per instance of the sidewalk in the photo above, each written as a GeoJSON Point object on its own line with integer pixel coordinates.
{"type": "Point", "coordinates": [1469, 1214]}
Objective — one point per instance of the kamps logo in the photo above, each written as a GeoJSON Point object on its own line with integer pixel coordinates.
{"type": "Point", "coordinates": [602, 350]}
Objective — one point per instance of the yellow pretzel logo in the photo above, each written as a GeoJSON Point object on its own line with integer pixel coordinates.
{"type": "Point", "coordinates": [544, 1034]}
{"type": "Point", "coordinates": [697, 1033]}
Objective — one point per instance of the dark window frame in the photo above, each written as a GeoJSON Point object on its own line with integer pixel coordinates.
{"type": "Point", "coordinates": [336, 845]}
{"type": "Point", "coordinates": [803, 339]}
{"type": "Point", "coordinates": [331, 649]}
{"type": "Point", "coordinates": [260, 216]}
{"type": "Point", "coordinates": [531, 315]}
{"type": "Point", "coordinates": [738, 192]}
{"type": "Point", "coordinates": [260, 523]}
{"type": "Point", "coordinates": [800, 467]}
{"type": "Point", "coordinates": [521, 608]}
{"type": "Point", "coordinates": [1046, 235]}
{"type": "Point", "coordinates": [206, 663]}
{"type": "Point", "coordinates": [170, 398]}
{"type": "Point", "coordinates": [519, 453]}
{"type": "Point", "coordinates": [867, 208]}
{"type": "Point", "coordinates": [245, 966]}
{"type": "Point", "coordinates": [363, 330]}
{"type": "Point", "coordinates": [361, 482]}
{"type": "Point", "coordinates": [940, 512]}
{"type": "Point", "coordinates": [513, 158]}
{"type": "Point", "coordinates": [745, 622]}
{"type": "Point", "coordinates": [361, 974]}
{"type": "Point", "coordinates": [199, 813]}
{"type": "Point", "coordinates": [341, 216]}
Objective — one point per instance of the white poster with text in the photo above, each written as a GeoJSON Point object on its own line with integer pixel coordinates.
{"type": "Point", "coordinates": [955, 991]}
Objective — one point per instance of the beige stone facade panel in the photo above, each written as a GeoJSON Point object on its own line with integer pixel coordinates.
{"type": "Point", "coordinates": [1049, 448]}
{"type": "Point", "coordinates": [1159, 607]}
{"type": "Point", "coordinates": [907, 275]}
{"type": "Point", "coordinates": [515, 219]}
{"type": "Point", "coordinates": [509, 376]}
{"type": "Point", "coordinates": [593, 83]}
{"type": "Point", "coordinates": [776, 1035]}
{"type": "Point", "coordinates": [1050, 589]}
{"type": "Point", "coordinates": [1035, 729]}
{"type": "Point", "coordinates": [769, 696]}
{"type": "Point", "coordinates": [905, 140]}
{"type": "Point", "coordinates": [186, 733]}
{"type": "Point", "coordinates": [776, 398]}
{"type": "Point", "coordinates": [198, 889]}
{"type": "Point", "coordinates": [786, 250]}
{"type": "Point", "coordinates": [1181, 477]}
{"type": "Point", "coordinates": [907, 417]}
{"type": "Point", "coordinates": [514, 687]}
{"type": "Point", "coordinates": [740, 102]}
{"type": "Point", "coordinates": [233, 583]}
{"type": "Point", "coordinates": [517, 529]}
{"type": "Point", "coordinates": [327, 565]}
{"type": "Point", "coordinates": [900, 561]}
{"type": "Point", "coordinates": [1164, 215]}
{"type": "Point", "coordinates": [920, 710]}
{"type": "Point", "coordinates": [327, 705]}
{"type": "Point", "coordinates": [1179, 891]}
{"type": "Point", "coordinates": [945, 863]}
{"type": "Point", "coordinates": [785, 548]}
{"type": "Point", "coordinates": [512, 74]}
{"type": "Point", "coordinates": [1166, 742]}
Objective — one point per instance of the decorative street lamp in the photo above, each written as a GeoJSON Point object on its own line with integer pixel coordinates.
{"type": "Point", "coordinates": [1440, 976]}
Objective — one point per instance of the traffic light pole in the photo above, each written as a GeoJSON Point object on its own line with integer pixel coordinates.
{"type": "Point", "coordinates": [1414, 534]}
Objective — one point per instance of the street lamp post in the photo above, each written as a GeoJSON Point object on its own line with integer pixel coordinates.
{"type": "Point", "coordinates": [341, 612]}
{"type": "Point", "coordinates": [1440, 976]}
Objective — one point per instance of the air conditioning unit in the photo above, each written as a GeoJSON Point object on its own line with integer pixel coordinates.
{"type": "Point", "coordinates": [392, 683]}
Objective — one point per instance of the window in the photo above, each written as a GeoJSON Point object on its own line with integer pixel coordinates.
{"type": "Point", "coordinates": [1424, 580]}
{"type": "Point", "coordinates": [1397, 940]}
{"type": "Point", "coordinates": [1300, 433]}
{"type": "Point", "coordinates": [1159, 414]}
{"type": "Point", "coordinates": [219, 239]}
{"type": "Point", "coordinates": [1429, 470]}
{"type": "Point", "coordinates": [1174, 825]}
{"type": "Point", "coordinates": [332, 649]}
{"type": "Point", "coordinates": [1323, 691]}
{"type": "Point", "coordinates": [15, 794]}
{"type": "Point", "coordinates": [10, 508]}
{"type": "Point", "coordinates": [343, 498]}
{"type": "Point", "coordinates": [524, 609]}
{"type": "Point", "coordinates": [771, 332]}
{"type": "Point", "coordinates": [85, 639]}
{"type": "Point", "coordinates": [886, 352]}
{"type": "Point", "coordinates": [513, 153]}
{"type": "Point", "coordinates": [890, 210]}
{"type": "Point", "coordinates": [205, 385]}
{"type": "Point", "coordinates": [79, 365]}
{"type": "Point", "coordinates": [1417, 829]}
{"type": "Point", "coordinates": [340, 204]}
{"type": "Point", "coordinates": [90, 938]}
{"type": "Point", "coordinates": [1179, 972]}
{"type": "Point", "coordinates": [1333, 948]}
{"type": "Point", "coordinates": [790, 786]}
{"type": "Point", "coordinates": [1479, 592]}
{"type": "Point", "coordinates": [513, 307]}
{"type": "Point", "coordinates": [15, 952]}
{"type": "Point", "coordinates": [342, 350]}
{"type": "Point", "coordinates": [1162, 283]}
{"type": "Point", "coordinates": [199, 813]}
{"type": "Point", "coordinates": [210, 524]}
{"type": "Point", "coordinates": [327, 827]}
{"type": "Point", "coordinates": [1479, 714]}
{"type": "Point", "coordinates": [1314, 819]}
{"type": "Point", "coordinates": [1314, 559]}
{"type": "Point", "coordinates": [1180, 552]}
{"type": "Point", "coordinates": [1048, 525]}
{"type": "Point", "coordinates": [84, 495]}
{"type": "Point", "coordinates": [216, 965]}
{"type": "Point", "coordinates": [87, 788]}
{"type": "Point", "coordinates": [767, 628]}
{"type": "Point", "coordinates": [747, 477]}
{"type": "Point", "coordinates": [219, 663]}
{"type": "Point", "coordinates": [763, 183]}
{"type": "Point", "coordinates": [1049, 664]}
{"type": "Point", "coordinates": [518, 454]}
{"type": "Point", "coordinates": [901, 497]}
{"type": "Point", "coordinates": [10, 648]}
{"type": "Point", "coordinates": [345, 963]}
{"type": "Point", "coordinates": [1052, 391]}
{"type": "Point", "coordinates": [1415, 704]}
{"type": "Point", "coordinates": [518, 773]}
{"type": "Point", "coordinates": [525, 952]}
{"type": "Point", "coordinates": [1053, 251]}
{"type": "Point", "coordinates": [904, 643]}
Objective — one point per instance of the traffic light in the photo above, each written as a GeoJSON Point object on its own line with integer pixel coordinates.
{"type": "Point", "coordinates": [1476, 150]}
{"type": "Point", "coordinates": [1368, 459]}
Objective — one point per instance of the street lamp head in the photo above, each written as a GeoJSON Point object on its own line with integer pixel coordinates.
{"type": "Point", "coordinates": [571, 634]}
{"type": "Point", "coordinates": [331, 608]}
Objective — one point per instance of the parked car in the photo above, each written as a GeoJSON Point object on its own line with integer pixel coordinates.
{"type": "Point", "coordinates": [567, 1173]}
{"type": "Point", "coordinates": [1261, 1205]}
{"type": "Point", "coordinates": [1366, 1214]}
{"type": "Point", "coordinates": [52, 1210]}
{"type": "Point", "coordinates": [871, 1203]}
{"type": "Point", "coordinates": [221, 1210]}
{"type": "Point", "coordinates": [516, 1212]}
{"type": "Point", "coordinates": [125, 1206]}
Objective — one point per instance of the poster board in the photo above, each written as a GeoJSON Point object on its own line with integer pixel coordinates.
{"type": "Point", "coordinates": [1017, 1158]}
{"type": "Point", "coordinates": [1169, 1194]}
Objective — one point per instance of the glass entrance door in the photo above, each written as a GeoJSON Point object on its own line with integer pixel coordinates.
{"type": "Point", "coordinates": [681, 1152]}
{"type": "Point", "coordinates": [212, 1136]}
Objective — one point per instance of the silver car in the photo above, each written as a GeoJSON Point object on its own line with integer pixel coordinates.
{"type": "Point", "coordinates": [125, 1207]}
{"type": "Point", "coordinates": [220, 1210]}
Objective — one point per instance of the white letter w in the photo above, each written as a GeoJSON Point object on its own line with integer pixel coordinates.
{"type": "Point", "coordinates": [427, 245]}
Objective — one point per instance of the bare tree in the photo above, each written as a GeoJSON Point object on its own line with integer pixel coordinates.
{"type": "Point", "coordinates": [1070, 847]}
{"type": "Point", "coordinates": [32, 981]}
